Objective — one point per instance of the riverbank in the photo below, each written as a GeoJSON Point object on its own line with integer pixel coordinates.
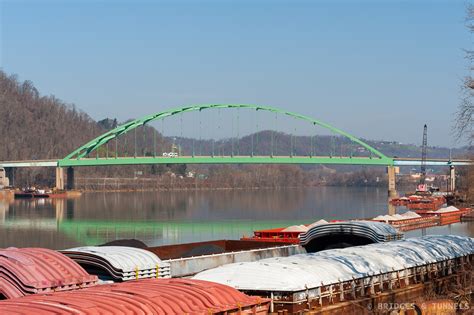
{"type": "Point", "coordinates": [105, 184]}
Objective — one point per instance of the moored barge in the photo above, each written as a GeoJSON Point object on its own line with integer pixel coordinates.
{"type": "Point", "coordinates": [190, 258]}
{"type": "Point", "coordinates": [359, 277]}
{"type": "Point", "coordinates": [408, 221]}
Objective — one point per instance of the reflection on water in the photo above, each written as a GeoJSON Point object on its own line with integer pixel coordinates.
{"type": "Point", "coordinates": [175, 217]}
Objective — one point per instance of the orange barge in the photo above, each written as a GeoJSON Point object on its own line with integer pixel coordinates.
{"type": "Point", "coordinates": [288, 235]}
{"type": "Point", "coordinates": [277, 235]}
{"type": "Point", "coordinates": [410, 224]}
{"type": "Point", "coordinates": [416, 202]}
{"type": "Point", "coordinates": [447, 215]}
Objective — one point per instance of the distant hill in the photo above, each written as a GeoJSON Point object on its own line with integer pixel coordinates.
{"type": "Point", "coordinates": [261, 144]}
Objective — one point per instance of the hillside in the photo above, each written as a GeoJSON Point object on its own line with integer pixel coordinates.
{"type": "Point", "coordinates": [34, 126]}
{"type": "Point", "coordinates": [261, 144]}
{"type": "Point", "coordinates": [39, 127]}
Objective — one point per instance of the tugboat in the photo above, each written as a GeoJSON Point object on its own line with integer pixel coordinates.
{"type": "Point", "coordinates": [32, 192]}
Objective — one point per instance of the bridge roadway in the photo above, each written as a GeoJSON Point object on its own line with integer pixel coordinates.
{"type": "Point", "coordinates": [237, 160]}
{"type": "Point", "coordinates": [390, 163]}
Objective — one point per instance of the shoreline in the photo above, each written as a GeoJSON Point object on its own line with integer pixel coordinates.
{"type": "Point", "coordinates": [190, 189]}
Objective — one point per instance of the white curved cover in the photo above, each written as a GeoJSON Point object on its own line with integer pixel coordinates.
{"type": "Point", "coordinates": [376, 231]}
{"type": "Point", "coordinates": [299, 272]}
{"type": "Point", "coordinates": [127, 259]}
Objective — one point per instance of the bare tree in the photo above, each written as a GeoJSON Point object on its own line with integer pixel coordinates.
{"type": "Point", "coordinates": [465, 115]}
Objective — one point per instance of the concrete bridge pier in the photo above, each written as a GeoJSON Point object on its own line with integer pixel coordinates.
{"type": "Point", "coordinates": [70, 178]}
{"type": "Point", "coordinates": [10, 174]}
{"type": "Point", "coordinates": [61, 182]}
{"type": "Point", "coordinates": [392, 188]}
{"type": "Point", "coordinates": [452, 178]}
{"type": "Point", "coordinates": [59, 178]}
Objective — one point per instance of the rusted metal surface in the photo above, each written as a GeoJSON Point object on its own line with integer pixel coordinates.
{"type": "Point", "coordinates": [9, 290]}
{"type": "Point", "coordinates": [119, 263]}
{"type": "Point", "coordinates": [37, 270]}
{"type": "Point", "coordinates": [148, 296]}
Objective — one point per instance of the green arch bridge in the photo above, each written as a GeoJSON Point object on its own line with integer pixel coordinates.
{"type": "Point", "coordinates": [81, 156]}
{"type": "Point", "coordinates": [84, 155]}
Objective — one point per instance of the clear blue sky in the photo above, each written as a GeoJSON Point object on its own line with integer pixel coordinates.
{"type": "Point", "coordinates": [377, 69]}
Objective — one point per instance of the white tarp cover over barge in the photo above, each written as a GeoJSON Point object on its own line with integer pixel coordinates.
{"type": "Point", "coordinates": [119, 263]}
{"type": "Point", "coordinates": [347, 233]}
{"type": "Point", "coordinates": [347, 273]}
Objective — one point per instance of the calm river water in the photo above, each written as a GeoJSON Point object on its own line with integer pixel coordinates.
{"type": "Point", "coordinates": [176, 217]}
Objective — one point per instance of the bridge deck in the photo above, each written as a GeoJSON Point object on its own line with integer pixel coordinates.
{"type": "Point", "coordinates": [30, 163]}
{"type": "Point", "coordinates": [336, 160]}
{"type": "Point", "coordinates": [431, 162]}
{"type": "Point", "coordinates": [226, 160]}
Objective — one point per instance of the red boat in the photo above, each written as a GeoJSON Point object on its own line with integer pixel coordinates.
{"type": "Point", "coordinates": [288, 235]}
{"type": "Point", "coordinates": [274, 235]}
{"type": "Point", "coordinates": [39, 194]}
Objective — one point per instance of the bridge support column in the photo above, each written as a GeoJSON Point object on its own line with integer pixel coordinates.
{"type": "Point", "coordinates": [70, 178]}
{"type": "Point", "coordinates": [392, 188]}
{"type": "Point", "coordinates": [10, 174]}
{"type": "Point", "coordinates": [452, 178]}
{"type": "Point", "coordinates": [59, 178]}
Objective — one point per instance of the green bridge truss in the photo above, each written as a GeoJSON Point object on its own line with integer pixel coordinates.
{"type": "Point", "coordinates": [80, 156]}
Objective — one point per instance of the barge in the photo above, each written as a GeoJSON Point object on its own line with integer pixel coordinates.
{"type": "Point", "coordinates": [278, 235]}
{"type": "Point", "coordinates": [288, 235]}
{"type": "Point", "coordinates": [182, 260]}
{"type": "Point", "coordinates": [359, 277]}
{"type": "Point", "coordinates": [449, 215]}
{"type": "Point", "coordinates": [149, 296]}
{"type": "Point", "coordinates": [419, 202]}
{"type": "Point", "coordinates": [189, 259]}
{"type": "Point", "coordinates": [408, 221]}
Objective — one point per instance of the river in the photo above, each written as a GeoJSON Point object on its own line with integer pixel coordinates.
{"type": "Point", "coordinates": [158, 218]}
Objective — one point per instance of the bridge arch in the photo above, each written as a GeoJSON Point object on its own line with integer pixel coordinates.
{"type": "Point", "coordinates": [94, 144]}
